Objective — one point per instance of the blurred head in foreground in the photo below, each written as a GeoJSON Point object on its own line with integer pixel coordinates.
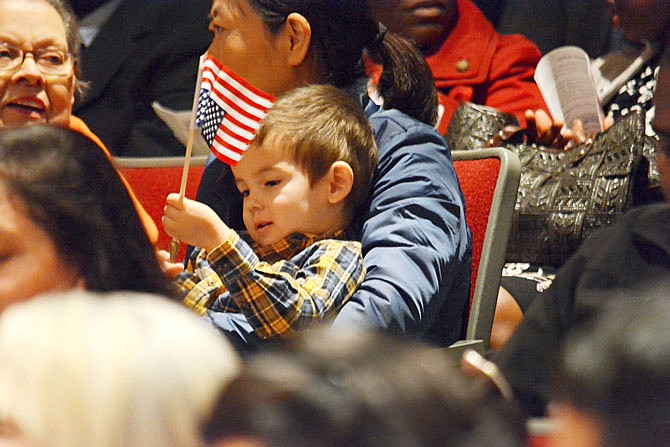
{"type": "Point", "coordinates": [353, 389]}
{"type": "Point", "coordinates": [614, 381]}
{"type": "Point", "coordinates": [81, 369]}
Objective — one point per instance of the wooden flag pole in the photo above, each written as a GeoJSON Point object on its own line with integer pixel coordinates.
{"type": "Point", "coordinates": [174, 244]}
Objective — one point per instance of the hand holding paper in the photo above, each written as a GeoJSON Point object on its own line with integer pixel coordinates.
{"type": "Point", "coordinates": [564, 77]}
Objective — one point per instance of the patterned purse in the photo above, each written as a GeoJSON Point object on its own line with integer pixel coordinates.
{"type": "Point", "coordinates": [563, 196]}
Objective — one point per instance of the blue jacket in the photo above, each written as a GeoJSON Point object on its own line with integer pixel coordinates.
{"type": "Point", "coordinates": [416, 244]}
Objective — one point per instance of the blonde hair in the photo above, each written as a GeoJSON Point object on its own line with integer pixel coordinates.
{"type": "Point", "coordinates": [83, 369]}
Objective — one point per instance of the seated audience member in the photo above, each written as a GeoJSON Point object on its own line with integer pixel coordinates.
{"type": "Point", "coordinates": [626, 81]}
{"type": "Point", "coordinates": [416, 243]}
{"type": "Point", "coordinates": [632, 252]}
{"type": "Point", "coordinates": [41, 88]}
{"type": "Point", "coordinates": [304, 178]}
{"type": "Point", "coordinates": [625, 78]}
{"type": "Point", "coordinates": [67, 220]}
{"type": "Point", "coordinates": [469, 60]}
{"type": "Point", "coordinates": [554, 23]}
{"type": "Point", "coordinates": [81, 369]}
{"type": "Point", "coordinates": [136, 52]}
{"type": "Point", "coordinates": [359, 389]}
{"type": "Point", "coordinates": [614, 377]}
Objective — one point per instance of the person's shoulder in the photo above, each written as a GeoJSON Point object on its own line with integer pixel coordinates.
{"type": "Point", "coordinates": [393, 120]}
{"type": "Point", "coordinates": [638, 220]}
{"type": "Point", "coordinates": [351, 245]}
{"type": "Point", "coordinates": [393, 127]}
{"type": "Point", "coordinates": [650, 221]}
{"type": "Point", "coordinates": [643, 226]}
{"type": "Point", "coordinates": [330, 252]}
{"type": "Point", "coordinates": [78, 125]}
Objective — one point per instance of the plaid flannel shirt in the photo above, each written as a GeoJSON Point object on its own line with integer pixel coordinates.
{"type": "Point", "coordinates": [279, 288]}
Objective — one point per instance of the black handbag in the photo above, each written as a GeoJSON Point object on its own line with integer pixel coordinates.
{"type": "Point", "coordinates": [563, 196]}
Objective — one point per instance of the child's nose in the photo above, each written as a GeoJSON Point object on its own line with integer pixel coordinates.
{"type": "Point", "coordinates": [253, 201]}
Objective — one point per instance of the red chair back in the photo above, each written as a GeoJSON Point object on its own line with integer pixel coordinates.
{"type": "Point", "coordinates": [489, 180]}
{"type": "Point", "coordinates": [478, 179]}
{"type": "Point", "coordinates": [152, 184]}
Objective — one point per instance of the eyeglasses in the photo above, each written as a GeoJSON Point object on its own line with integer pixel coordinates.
{"type": "Point", "coordinates": [49, 61]}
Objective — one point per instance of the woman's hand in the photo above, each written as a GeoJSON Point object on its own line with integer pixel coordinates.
{"type": "Point", "coordinates": [543, 130]}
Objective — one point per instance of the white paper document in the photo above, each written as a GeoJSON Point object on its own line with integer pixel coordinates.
{"type": "Point", "coordinates": [178, 122]}
{"type": "Point", "coordinates": [563, 76]}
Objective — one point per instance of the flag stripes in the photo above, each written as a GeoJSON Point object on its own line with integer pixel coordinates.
{"type": "Point", "coordinates": [230, 111]}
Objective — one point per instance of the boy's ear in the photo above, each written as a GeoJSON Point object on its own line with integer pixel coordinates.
{"type": "Point", "coordinates": [299, 34]}
{"type": "Point", "coordinates": [341, 178]}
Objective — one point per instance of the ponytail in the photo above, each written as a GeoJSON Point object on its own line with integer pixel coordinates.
{"type": "Point", "coordinates": [342, 31]}
{"type": "Point", "coordinates": [406, 82]}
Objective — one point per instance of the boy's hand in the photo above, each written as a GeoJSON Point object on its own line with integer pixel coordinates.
{"type": "Point", "coordinates": [194, 223]}
{"type": "Point", "coordinates": [171, 269]}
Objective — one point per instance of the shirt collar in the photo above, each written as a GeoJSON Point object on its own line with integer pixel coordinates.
{"type": "Point", "coordinates": [289, 246]}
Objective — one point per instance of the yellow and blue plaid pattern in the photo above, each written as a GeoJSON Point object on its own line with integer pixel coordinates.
{"type": "Point", "coordinates": [279, 288]}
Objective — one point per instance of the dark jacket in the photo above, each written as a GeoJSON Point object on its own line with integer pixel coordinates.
{"type": "Point", "coordinates": [416, 244]}
{"type": "Point", "coordinates": [147, 51]}
{"type": "Point", "coordinates": [555, 23]}
{"type": "Point", "coordinates": [632, 254]}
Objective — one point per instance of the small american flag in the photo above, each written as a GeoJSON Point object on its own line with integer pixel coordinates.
{"type": "Point", "coordinates": [230, 111]}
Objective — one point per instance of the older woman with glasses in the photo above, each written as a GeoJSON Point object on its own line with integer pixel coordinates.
{"type": "Point", "coordinates": [39, 44]}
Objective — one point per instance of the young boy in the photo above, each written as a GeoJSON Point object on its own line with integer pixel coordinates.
{"type": "Point", "coordinates": [303, 179]}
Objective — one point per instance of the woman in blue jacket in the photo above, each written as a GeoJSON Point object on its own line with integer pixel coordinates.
{"type": "Point", "coordinates": [416, 244]}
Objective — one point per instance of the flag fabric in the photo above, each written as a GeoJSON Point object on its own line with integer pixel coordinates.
{"type": "Point", "coordinates": [230, 110]}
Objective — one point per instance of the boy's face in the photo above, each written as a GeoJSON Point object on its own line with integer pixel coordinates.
{"type": "Point", "coordinates": [278, 197]}
{"type": "Point", "coordinates": [427, 24]}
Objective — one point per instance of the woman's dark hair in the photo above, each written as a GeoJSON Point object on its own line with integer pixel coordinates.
{"type": "Point", "coordinates": [69, 188]}
{"type": "Point", "coordinates": [341, 31]}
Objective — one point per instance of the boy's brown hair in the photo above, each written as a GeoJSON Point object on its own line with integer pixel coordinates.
{"type": "Point", "coordinates": [318, 125]}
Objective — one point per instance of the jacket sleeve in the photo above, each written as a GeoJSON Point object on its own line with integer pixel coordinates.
{"type": "Point", "coordinates": [236, 328]}
{"type": "Point", "coordinates": [525, 359]}
{"type": "Point", "coordinates": [528, 358]}
{"type": "Point", "coordinates": [416, 243]}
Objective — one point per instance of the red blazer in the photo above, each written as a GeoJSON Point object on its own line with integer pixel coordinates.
{"type": "Point", "coordinates": [477, 64]}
